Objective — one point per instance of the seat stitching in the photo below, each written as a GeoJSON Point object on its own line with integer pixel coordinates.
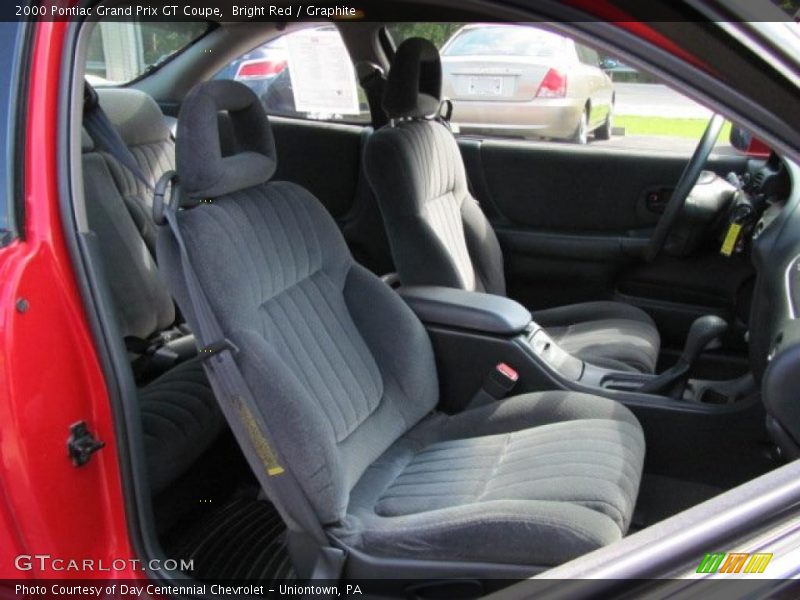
{"type": "Point", "coordinates": [506, 486]}
{"type": "Point", "coordinates": [337, 377]}
{"type": "Point", "coordinates": [309, 386]}
{"type": "Point", "coordinates": [357, 343]}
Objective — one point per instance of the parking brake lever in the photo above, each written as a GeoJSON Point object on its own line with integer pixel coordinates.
{"type": "Point", "coordinates": [673, 381]}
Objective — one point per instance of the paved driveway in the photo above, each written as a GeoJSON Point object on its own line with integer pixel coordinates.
{"type": "Point", "coordinates": [660, 144]}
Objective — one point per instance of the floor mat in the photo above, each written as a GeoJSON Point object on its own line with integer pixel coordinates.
{"type": "Point", "coordinates": [243, 540]}
{"type": "Point", "coordinates": [661, 497]}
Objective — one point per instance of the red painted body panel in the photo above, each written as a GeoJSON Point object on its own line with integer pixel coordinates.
{"type": "Point", "coordinates": [608, 12]}
{"type": "Point", "coordinates": [49, 371]}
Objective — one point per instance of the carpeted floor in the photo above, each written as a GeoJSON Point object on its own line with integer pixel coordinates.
{"type": "Point", "coordinates": [243, 540]}
{"type": "Point", "coordinates": [661, 497]}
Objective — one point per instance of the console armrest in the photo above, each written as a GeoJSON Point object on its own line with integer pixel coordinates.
{"type": "Point", "coordinates": [466, 310]}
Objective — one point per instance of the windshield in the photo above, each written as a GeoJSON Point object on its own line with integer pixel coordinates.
{"type": "Point", "coordinates": [505, 41]}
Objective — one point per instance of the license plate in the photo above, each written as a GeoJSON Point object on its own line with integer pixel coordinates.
{"type": "Point", "coordinates": [485, 86]}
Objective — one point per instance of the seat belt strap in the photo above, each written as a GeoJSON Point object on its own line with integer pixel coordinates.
{"type": "Point", "coordinates": [241, 411]}
{"type": "Point", "coordinates": [373, 84]}
{"type": "Point", "coordinates": [106, 137]}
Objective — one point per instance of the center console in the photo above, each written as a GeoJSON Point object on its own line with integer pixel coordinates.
{"type": "Point", "coordinates": [473, 332]}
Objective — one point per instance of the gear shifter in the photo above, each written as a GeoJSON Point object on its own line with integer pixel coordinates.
{"type": "Point", "coordinates": [673, 381]}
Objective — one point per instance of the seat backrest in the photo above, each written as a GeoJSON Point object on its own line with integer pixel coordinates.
{"type": "Point", "coordinates": [437, 231]}
{"type": "Point", "coordinates": [334, 358]}
{"type": "Point", "coordinates": [142, 126]}
{"type": "Point", "coordinates": [140, 295]}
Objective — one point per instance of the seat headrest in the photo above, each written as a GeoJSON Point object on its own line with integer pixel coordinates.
{"type": "Point", "coordinates": [134, 114]}
{"type": "Point", "coordinates": [204, 171]}
{"type": "Point", "coordinates": [414, 86]}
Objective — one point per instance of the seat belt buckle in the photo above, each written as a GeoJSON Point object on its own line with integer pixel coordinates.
{"type": "Point", "coordinates": [215, 348]}
{"type": "Point", "coordinates": [499, 382]}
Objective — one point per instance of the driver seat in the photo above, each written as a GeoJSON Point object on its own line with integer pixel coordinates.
{"type": "Point", "coordinates": [439, 235]}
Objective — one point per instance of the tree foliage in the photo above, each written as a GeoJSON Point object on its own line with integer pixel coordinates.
{"type": "Point", "coordinates": [791, 7]}
{"type": "Point", "coordinates": [160, 40]}
{"type": "Point", "coordinates": [438, 33]}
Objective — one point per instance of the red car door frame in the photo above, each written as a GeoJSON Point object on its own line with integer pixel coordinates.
{"type": "Point", "coordinates": [50, 377]}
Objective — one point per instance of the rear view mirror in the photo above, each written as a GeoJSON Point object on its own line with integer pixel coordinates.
{"type": "Point", "coordinates": [744, 142]}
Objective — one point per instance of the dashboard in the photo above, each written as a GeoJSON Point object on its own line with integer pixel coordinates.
{"type": "Point", "coordinates": [774, 330]}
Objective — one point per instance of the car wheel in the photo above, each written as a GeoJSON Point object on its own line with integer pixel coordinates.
{"type": "Point", "coordinates": [581, 135]}
{"type": "Point", "coordinates": [604, 131]}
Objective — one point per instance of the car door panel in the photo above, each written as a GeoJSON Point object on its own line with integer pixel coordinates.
{"type": "Point", "coordinates": [599, 97]}
{"type": "Point", "coordinates": [322, 157]}
{"type": "Point", "coordinates": [573, 221]}
{"type": "Point", "coordinates": [560, 187]}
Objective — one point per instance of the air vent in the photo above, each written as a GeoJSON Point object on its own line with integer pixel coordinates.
{"type": "Point", "coordinates": [758, 180]}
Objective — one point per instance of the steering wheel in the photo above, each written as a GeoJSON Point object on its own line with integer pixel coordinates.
{"type": "Point", "coordinates": [684, 187]}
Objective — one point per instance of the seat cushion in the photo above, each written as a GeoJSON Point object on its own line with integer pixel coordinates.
{"type": "Point", "coordinates": [180, 420]}
{"type": "Point", "coordinates": [607, 334]}
{"type": "Point", "coordinates": [537, 479]}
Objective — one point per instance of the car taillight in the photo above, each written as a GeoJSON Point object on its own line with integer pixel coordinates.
{"type": "Point", "coordinates": [554, 85]}
{"type": "Point", "coordinates": [260, 68]}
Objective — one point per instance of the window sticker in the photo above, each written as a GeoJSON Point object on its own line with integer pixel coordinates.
{"type": "Point", "coordinates": [322, 74]}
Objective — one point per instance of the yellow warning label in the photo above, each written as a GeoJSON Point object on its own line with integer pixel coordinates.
{"type": "Point", "coordinates": [730, 239]}
{"type": "Point", "coordinates": [260, 444]}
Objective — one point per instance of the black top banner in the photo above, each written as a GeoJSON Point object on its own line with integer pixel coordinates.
{"type": "Point", "coordinates": [381, 10]}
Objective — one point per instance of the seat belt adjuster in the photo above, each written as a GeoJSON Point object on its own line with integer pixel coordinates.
{"type": "Point", "coordinates": [217, 347]}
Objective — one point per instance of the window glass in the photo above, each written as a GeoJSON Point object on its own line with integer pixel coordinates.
{"type": "Point", "coordinates": [438, 33]}
{"type": "Point", "coordinates": [10, 33]}
{"type": "Point", "coordinates": [306, 74]}
{"type": "Point", "coordinates": [503, 41]}
{"type": "Point", "coordinates": [120, 52]}
{"type": "Point", "coordinates": [588, 56]}
{"type": "Point", "coordinates": [522, 81]}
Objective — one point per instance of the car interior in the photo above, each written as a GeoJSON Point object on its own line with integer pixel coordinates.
{"type": "Point", "coordinates": [480, 357]}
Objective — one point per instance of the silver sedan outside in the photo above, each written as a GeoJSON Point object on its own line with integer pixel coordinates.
{"type": "Point", "coordinates": [517, 80]}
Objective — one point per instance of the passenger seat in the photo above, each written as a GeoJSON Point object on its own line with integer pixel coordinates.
{"type": "Point", "coordinates": [336, 358]}
{"type": "Point", "coordinates": [141, 125]}
{"type": "Point", "coordinates": [180, 418]}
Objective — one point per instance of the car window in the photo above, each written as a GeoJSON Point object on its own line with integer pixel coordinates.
{"type": "Point", "coordinates": [588, 56]}
{"type": "Point", "coordinates": [504, 41]}
{"type": "Point", "coordinates": [120, 52]}
{"type": "Point", "coordinates": [10, 46]}
{"type": "Point", "coordinates": [524, 82]}
{"type": "Point", "coordinates": [306, 74]}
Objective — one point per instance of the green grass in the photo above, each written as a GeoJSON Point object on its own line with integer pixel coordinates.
{"type": "Point", "coordinates": [662, 126]}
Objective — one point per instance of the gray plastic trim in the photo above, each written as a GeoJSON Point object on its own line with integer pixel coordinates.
{"type": "Point", "coordinates": [466, 310]}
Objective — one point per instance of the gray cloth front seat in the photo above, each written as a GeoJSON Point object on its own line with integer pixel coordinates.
{"type": "Point", "coordinates": [439, 235]}
{"type": "Point", "coordinates": [345, 371]}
